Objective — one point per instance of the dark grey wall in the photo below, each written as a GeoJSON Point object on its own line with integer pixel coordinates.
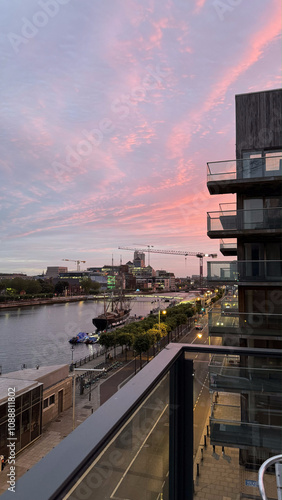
{"type": "Point", "coordinates": [258, 121]}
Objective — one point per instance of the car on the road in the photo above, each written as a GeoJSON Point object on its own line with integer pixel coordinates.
{"type": "Point", "coordinates": [199, 327]}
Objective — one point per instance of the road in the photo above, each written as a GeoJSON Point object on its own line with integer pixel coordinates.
{"type": "Point", "coordinates": [135, 464]}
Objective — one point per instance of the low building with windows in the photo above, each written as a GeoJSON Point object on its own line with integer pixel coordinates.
{"type": "Point", "coordinates": [40, 394]}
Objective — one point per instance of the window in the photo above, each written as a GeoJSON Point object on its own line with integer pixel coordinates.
{"type": "Point", "coordinates": [273, 161]}
{"type": "Point", "coordinates": [49, 402]}
{"type": "Point", "coordinates": [252, 164]}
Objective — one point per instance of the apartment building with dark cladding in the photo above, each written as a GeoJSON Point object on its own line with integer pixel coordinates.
{"type": "Point", "coordinates": [250, 229]}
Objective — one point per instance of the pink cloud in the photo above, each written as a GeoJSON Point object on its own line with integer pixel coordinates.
{"type": "Point", "coordinates": [252, 54]}
{"type": "Point", "coordinates": [199, 5]}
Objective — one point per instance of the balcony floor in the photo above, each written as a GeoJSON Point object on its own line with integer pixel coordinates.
{"type": "Point", "coordinates": [257, 185]}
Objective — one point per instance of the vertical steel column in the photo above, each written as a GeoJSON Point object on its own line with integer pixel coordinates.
{"type": "Point", "coordinates": [181, 430]}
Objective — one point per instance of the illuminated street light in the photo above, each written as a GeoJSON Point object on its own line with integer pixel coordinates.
{"type": "Point", "coordinates": [163, 312]}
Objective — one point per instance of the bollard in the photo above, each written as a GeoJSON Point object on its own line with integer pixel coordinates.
{"type": "Point", "coordinates": [207, 430]}
{"type": "Point", "coordinates": [222, 449]}
{"type": "Point", "coordinates": [202, 452]}
{"type": "Point", "coordinates": [198, 470]}
{"type": "Point", "coordinates": [205, 441]}
{"type": "Point", "coordinates": [213, 448]}
{"type": "Point", "coordinates": [92, 410]}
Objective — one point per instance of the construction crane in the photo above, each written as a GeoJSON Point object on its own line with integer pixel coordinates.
{"type": "Point", "coordinates": [200, 256]}
{"type": "Point", "coordinates": [77, 263]}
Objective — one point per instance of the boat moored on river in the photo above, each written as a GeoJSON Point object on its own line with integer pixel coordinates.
{"type": "Point", "coordinates": [85, 338]}
{"type": "Point", "coordinates": [116, 313]}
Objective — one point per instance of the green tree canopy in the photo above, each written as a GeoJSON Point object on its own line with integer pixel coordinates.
{"type": "Point", "coordinates": [125, 338]}
{"type": "Point", "coordinates": [142, 343]}
{"type": "Point", "coordinates": [86, 284]}
{"type": "Point", "coordinates": [108, 339]}
{"type": "Point", "coordinates": [61, 286]}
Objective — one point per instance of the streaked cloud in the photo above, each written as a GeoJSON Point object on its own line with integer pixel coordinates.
{"type": "Point", "coordinates": [109, 114]}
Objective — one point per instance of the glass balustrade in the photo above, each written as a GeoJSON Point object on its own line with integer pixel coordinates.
{"type": "Point", "coordinates": [228, 321]}
{"type": "Point", "coordinates": [244, 270]}
{"type": "Point", "coordinates": [247, 168]}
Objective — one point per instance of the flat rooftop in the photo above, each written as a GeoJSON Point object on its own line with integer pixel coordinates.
{"type": "Point", "coordinates": [19, 385]}
{"type": "Point", "coordinates": [33, 373]}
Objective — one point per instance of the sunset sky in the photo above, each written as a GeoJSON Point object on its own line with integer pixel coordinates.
{"type": "Point", "coordinates": [110, 111]}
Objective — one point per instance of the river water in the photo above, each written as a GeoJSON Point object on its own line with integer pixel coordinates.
{"type": "Point", "coordinates": [40, 334]}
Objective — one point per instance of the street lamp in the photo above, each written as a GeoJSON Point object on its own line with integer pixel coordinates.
{"type": "Point", "coordinates": [72, 349]}
{"type": "Point", "coordinates": [163, 312]}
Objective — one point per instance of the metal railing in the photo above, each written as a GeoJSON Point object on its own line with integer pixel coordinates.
{"type": "Point", "coordinates": [244, 220]}
{"type": "Point", "coordinates": [244, 270]}
{"type": "Point", "coordinates": [227, 373]}
{"type": "Point", "coordinates": [277, 461]}
{"type": "Point", "coordinates": [251, 323]}
{"type": "Point", "coordinates": [247, 168]}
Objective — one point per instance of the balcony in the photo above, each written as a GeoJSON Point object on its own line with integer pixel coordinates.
{"type": "Point", "coordinates": [244, 434]}
{"type": "Point", "coordinates": [227, 374]}
{"type": "Point", "coordinates": [245, 324]}
{"type": "Point", "coordinates": [233, 176]}
{"type": "Point", "coordinates": [245, 271]}
{"type": "Point", "coordinates": [234, 223]}
{"type": "Point", "coordinates": [229, 305]}
{"type": "Point", "coordinates": [146, 441]}
{"type": "Point", "coordinates": [235, 432]}
{"type": "Point", "coordinates": [228, 249]}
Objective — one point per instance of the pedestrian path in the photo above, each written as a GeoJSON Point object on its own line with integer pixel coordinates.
{"type": "Point", "coordinates": [216, 471]}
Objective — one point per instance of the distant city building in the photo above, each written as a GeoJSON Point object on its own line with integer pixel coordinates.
{"type": "Point", "coordinates": [168, 276]}
{"type": "Point", "coordinates": [10, 276]}
{"type": "Point", "coordinates": [54, 271]}
{"type": "Point", "coordinates": [139, 259]}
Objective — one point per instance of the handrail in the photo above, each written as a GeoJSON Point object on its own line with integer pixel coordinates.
{"type": "Point", "coordinates": [242, 210]}
{"type": "Point", "coordinates": [273, 460]}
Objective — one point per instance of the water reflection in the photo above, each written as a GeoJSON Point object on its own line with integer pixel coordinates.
{"type": "Point", "coordinates": [39, 334]}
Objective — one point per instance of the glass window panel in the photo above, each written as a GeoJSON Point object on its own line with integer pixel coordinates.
{"type": "Point", "coordinates": [25, 428]}
{"type": "Point", "coordinates": [252, 164]}
{"type": "Point", "coordinates": [253, 213]}
{"type": "Point", "coordinates": [18, 432]}
{"type": "Point", "coordinates": [26, 400]}
{"type": "Point", "coordinates": [3, 412]}
{"type": "Point", "coordinates": [3, 438]}
{"type": "Point", "coordinates": [136, 462]}
{"type": "Point", "coordinates": [35, 395]}
{"type": "Point", "coordinates": [35, 421]}
{"type": "Point", "coordinates": [18, 404]}
{"type": "Point", "coordinates": [273, 162]}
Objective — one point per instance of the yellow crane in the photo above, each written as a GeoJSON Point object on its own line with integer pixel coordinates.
{"type": "Point", "coordinates": [77, 263]}
{"type": "Point", "coordinates": [200, 255]}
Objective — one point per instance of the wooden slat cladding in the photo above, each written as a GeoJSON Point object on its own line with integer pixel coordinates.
{"type": "Point", "coordinates": [258, 121]}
